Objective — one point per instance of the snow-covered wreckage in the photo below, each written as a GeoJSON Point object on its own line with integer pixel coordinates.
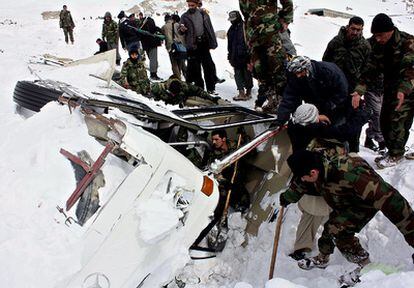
{"type": "Point", "coordinates": [132, 237]}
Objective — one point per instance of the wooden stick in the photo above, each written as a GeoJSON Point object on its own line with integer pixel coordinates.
{"type": "Point", "coordinates": [276, 241]}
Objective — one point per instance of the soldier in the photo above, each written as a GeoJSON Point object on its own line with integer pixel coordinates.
{"type": "Point", "coordinates": [263, 22]}
{"type": "Point", "coordinates": [133, 73]}
{"type": "Point", "coordinates": [174, 91]}
{"type": "Point", "coordinates": [222, 146]}
{"type": "Point", "coordinates": [110, 35]}
{"type": "Point", "coordinates": [67, 24]}
{"type": "Point", "coordinates": [349, 50]}
{"type": "Point", "coordinates": [393, 56]}
{"type": "Point", "coordinates": [355, 192]}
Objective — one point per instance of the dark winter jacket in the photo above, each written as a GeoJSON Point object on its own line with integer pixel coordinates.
{"type": "Point", "coordinates": [127, 34]}
{"type": "Point", "coordinates": [326, 88]}
{"type": "Point", "coordinates": [350, 56]}
{"type": "Point", "coordinates": [209, 37]}
{"type": "Point", "coordinates": [103, 47]}
{"type": "Point", "coordinates": [236, 46]}
{"type": "Point", "coordinates": [149, 42]}
{"type": "Point", "coordinates": [395, 60]}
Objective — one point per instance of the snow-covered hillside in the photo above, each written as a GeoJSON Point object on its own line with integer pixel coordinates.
{"type": "Point", "coordinates": [37, 250]}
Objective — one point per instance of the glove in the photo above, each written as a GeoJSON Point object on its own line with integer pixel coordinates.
{"type": "Point", "coordinates": [282, 200]}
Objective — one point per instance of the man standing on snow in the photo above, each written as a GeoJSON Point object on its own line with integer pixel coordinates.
{"type": "Point", "coordinates": [263, 24]}
{"type": "Point", "coordinates": [238, 57]}
{"type": "Point", "coordinates": [199, 37]}
{"type": "Point", "coordinates": [355, 192]}
{"type": "Point", "coordinates": [392, 55]}
{"type": "Point", "coordinates": [110, 35]}
{"type": "Point", "coordinates": [150, 44]}
{"type": "Point", "coordinates": [67, 24]}
{"type": "Point", "coordinates": [349, 50]}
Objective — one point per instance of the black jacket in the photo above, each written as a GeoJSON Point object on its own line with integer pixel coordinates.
{"type": "Point", "coordinates": [103, 47]}
{"type": "Point", "coordinates": [127, 34]}
{"type": "Point", "coordinates": [236, 46]}
{"type": "Point", "coordinates": [149, 42]}
{"type": "Point", "coordinates": [326, 88]}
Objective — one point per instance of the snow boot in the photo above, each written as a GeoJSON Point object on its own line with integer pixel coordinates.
{"type": "Point", "coordinates": [299, 254]}
{"type": "Point", "coordinates": [389, 161]}
{"type": "Point", "coordinates": [319, 261]}
{"type": "Point", "coordinates": [241, 96]}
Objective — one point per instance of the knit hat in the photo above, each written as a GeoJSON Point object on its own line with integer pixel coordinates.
{"type": "Point", "coordinates": [108, 14]}
{"type": "Point", "coordinates": [305, 114]}
{"type": "Point", "coordinates": [234, 15]}
{"type": "Point", "coordinates": [121, 15]}
{"type": "Point", "coordinates": [302, 162]}
{"type": "Point", "coordinates": [132, 49]}
{"type": "Point", "coordinates": [193, 1]}
{"type": "Point", "coordinates": [298, 64]}
{"type": "Point", "coordinates": [381, 23]}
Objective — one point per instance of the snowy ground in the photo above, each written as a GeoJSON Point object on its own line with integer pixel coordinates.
{"type": "Point", "coordinates": [37, 250]}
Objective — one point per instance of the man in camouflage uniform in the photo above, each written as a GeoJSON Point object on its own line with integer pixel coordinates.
{"type": "Point", "coordinates": [393, 56]}
{"type": "Point", "coordinates": [67, 24]}
{"type": "Point", "coordinates": [263, 24]}
{"type": "Point", "coordinates": [349, 51]}
{"type": "Point", "coordinates": [133, 73]}
{"type": "Point", "coordinates": [110, 35]}
{"type": "Point", "coordinates": [174, 91]}
{"type": "Point", "coordinates": [355, 192]}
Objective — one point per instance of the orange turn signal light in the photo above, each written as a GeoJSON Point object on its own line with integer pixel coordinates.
{"type": "Point", "coordinates": [208, 186]}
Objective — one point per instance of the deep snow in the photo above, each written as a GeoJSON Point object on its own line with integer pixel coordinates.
{"type": "Point", "coordinates": [38, 250]}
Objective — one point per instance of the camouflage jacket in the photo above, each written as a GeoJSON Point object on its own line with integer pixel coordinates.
{"type": "Point", "coordinates": [135, 75]}
{"type": "Point", "coordinates": [395, 61]}
{"type": "Point", "coordinates": [350, 56]}
{"type": "Point", "coordinates": [261, 19]}
{"type": "Point", "coordinates": [110, 32]}
{"type": "Point", "coordinates": [159, 91]}
{"type": "Point", "coordinates": [65, 19]}
{"type": "Point", "coordinates": [348, 183]}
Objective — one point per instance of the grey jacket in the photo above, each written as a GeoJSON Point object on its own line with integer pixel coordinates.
{"type": "Point", "coordinates": [190, 37]}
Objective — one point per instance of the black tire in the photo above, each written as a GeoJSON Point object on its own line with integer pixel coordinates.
{"type": "Point", "coordinates": [33, 96]}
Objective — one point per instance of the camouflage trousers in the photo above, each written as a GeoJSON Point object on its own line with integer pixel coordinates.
{"type": "Point", "coordinates": [265, 47]}
{"type": "Point", "coordinates": [342, 225]}
{"type": "Point", "coordinates": [141, 87]}
{"type": "Point", "coordinates": [68, 31]}
{"type": "Point", "coordinates": [395, 125]}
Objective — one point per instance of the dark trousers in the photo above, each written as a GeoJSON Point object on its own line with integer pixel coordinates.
{"type": "Point", "coordinates": [243, 78]}
{"type": "Point", "coordinates": [198, 58]}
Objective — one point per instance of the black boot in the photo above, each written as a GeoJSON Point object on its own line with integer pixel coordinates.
{"type": "Point", "coordinates": [369, 143]}
{"type": "Point", "coordinates": [154, 76]}
{"type": "Point", "coordinates": [381, 146]}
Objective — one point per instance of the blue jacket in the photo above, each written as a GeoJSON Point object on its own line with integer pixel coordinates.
{"type": "Point", "coordinates": [236, 46]}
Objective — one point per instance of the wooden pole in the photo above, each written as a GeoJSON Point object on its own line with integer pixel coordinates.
{"type": "Point", "coordinates": [276, 241]}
